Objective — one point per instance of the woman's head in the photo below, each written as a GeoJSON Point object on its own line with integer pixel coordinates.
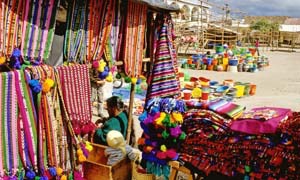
{"type": "Point", "coordinates": [114, 105]}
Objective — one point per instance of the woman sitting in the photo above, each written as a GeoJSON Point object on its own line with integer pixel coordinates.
{"type": "Point", "coordinates": [117, 120]}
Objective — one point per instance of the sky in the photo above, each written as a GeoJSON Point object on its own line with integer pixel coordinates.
{"type": "Point", "coordinates": [264, 7]}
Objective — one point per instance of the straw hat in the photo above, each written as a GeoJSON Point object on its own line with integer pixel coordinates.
{"type": "Point", "coordinates": [116, 140]}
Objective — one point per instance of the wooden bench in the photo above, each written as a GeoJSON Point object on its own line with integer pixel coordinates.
{"type": "Point", "coordinates": [95, 167]}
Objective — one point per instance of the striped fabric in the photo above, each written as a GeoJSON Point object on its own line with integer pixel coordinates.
{"type": "Point", "coordinates": [163, 80]}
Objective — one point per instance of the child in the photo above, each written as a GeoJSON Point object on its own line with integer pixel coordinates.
{"type": "Point", "coordinates": [117, 148]}
{"type": "Point", "coordinates": [97, 91]}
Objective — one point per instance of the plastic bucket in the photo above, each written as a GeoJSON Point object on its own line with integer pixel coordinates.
{"type": "Point", "coordinates": [228, 82]}
{"type": "Point", "coordinates": [187, 95]}
{"type": "Point", "coordinates": [247, 89]}
{"type": "Point", "coordinates": [239, 90]}
{"type": "Point", "coordinates": [252, 89]}
{"type": "Point", "coordinates": [205, 93]}
{"type": "Point", "coordinates": [252, 51]}
{"type": "Point", "coordinates": [219, 49]}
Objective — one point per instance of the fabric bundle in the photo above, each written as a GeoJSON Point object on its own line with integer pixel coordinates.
{"type": "Point", "coordinates": [161, 123]}
{"type": "Point", "coordinates": [211, 146]}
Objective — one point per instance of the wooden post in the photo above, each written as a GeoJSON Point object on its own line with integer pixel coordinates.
{"type": "Point", "coordinates": [130, 119]}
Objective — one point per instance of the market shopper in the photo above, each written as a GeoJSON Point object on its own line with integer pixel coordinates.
{"type": "Point", "coordinates": [117, 120]}
{"type": "Point", "coordinates": [257, 45]}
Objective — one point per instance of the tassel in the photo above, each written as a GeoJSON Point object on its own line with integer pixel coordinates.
{"type": "Point", "coordinates": [81, 158]}
{"type": "Point", "coordinates": [30, 174]}
{"type": "Point", "coordinates": [85, 130]}
{"type": "Point", "coordinates": [35, 85]}
{"type": "Point", "coordinates": [143, 116]}
{"type": "Point", "coordinates": [79, 152]}
{"type": "Point", "coordinates": [182, 136]}
{"type": "Point", "coordinates": [37, 178]}
{"type": "Point", "coordinates": [177, 117]}
{"type": "Point", "coordinates": [59, 171]}
{"type": "Point", "coordinates": [47, 85]}
{"type": "Point", "coordinates": [2, 60]}
{"type": "Point", "coordinates": [175, 132]}
{"type": "Point", "coordinates": [63, 177]}
{"type": "Point", "coordinates": [52, 171]}
{"type": "Point", "coordinates": [95, 64]}
{"type": "Point", "coordinates": [70, 177]}
{"type": "Point", "coordinates": [84, 150]}
{"type": "Point", "coordinates": [13, 178]}
{"type": "Point", "coordinates": [88, 146]}
{"type": "Point", "coordinates": [133, 80]}
{"type": "Point", "coordinates": [77, 175]}
{"type": "Point", "coordinates": [163, 148]}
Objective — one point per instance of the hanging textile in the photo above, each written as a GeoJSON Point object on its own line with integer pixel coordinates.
{"type": "Point", "coordinates": [113, 41]}
{"type": "Point", "coordinates": [76, 96]}
{"type": "Point", "coordinates": [52, 144]}
{"type": "Point", "coordinates": [134, 38]}
{"type": "Point", "coordinates": [75, 38]}
{"type": "Point", "coordinates": [163, 80]}
{"type": "Point", "coordinates": [101, 14]}
{"type": "Point", "coordinates": [11, 13]}
{"type": "Point", "coordinates": [9, 117]}
{"type": "Point", "coordinates": [38, 23]}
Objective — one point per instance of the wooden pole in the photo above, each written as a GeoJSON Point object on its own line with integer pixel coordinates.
{"type": "Point", "coordinates": [130, 119]}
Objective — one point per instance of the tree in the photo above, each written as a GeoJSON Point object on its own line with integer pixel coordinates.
{"type": "Point", "coordinates": [264, 25]}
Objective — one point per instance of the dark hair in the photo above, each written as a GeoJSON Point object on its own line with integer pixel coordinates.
{"type": "Point", "coordinates": [115, 101]}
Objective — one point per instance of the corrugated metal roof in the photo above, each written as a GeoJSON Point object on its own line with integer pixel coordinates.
{"type": "Point", "coordinates": [292, 21]}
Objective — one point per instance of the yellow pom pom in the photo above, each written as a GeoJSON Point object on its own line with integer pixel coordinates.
{"type": "Point", "coordinates": [101, 65]}
{"type": "Point", "coordinates": [109, 78]}
{"type": "Point", "coordinates": [159, 120]}
{"type": "Point", "coordinates": [163, 148]}
{"type": "Point", "coordinates": [177, 117]}
{"type": "Point", "coordinates": [89, 147]}
{"type": "Point", "coordinates": [2, 60]}
{"type": "Point", "coordinates": [81, 158]}
{"type": "Point", "coordinates": [79, 152]}
{"type": "Point", "coordinates": [47, 85]}
{"type": "Point", "coordinates": [63, 177]}
{"type": "Point", "coordinates": [59, 171]}
{"type": "Point", "coordinates": [133, 80]}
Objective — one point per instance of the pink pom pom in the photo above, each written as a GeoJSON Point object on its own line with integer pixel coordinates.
{"type": "Point", "coordinates": [171, 153]}
{"type": "Point", "coordinates": [77, 175]}
{"type": "Point", "coordinates": [92, 127]}
{"type": "Point", "coordinates": [95, 64]}
{"type": "Point", "coordinates": [175, 132]}
{"type": "Point", "coordinates": [76, 129]}
{"type": "Point", "coordinates": [85, 129]}
{"type": "Point", "coordinates": [161, 155]}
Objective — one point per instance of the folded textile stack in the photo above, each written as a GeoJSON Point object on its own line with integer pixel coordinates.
{"type": "Point", "coordinates": [211, 146]}
{"type": "Point", "coordinates": [226, 108]}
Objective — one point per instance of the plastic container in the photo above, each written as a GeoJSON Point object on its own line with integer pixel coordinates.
{"type": "Point", "coordinates": [239, 90]}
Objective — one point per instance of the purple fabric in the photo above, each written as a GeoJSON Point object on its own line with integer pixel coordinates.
{"type": "Point", "coordinates": [261, 121]}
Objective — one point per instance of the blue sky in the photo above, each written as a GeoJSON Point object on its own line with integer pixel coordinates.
{"type": "Point", "coordinates": [264, 7]}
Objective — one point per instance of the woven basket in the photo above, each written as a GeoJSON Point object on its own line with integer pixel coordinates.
{"type": "Point", "coordinates": [140, 176]}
